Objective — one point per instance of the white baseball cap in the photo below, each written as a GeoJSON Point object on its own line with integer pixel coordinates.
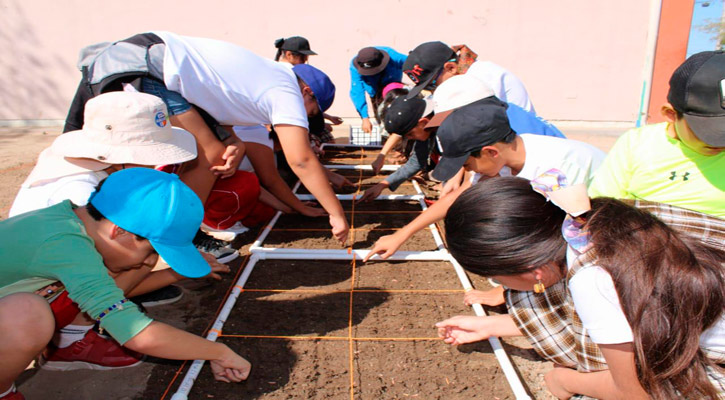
{"type": "Point", "coordinates": [455, 92]}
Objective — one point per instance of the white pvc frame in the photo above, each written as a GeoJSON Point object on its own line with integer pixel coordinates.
{"type": "Point", "coordinates": [261, 253]}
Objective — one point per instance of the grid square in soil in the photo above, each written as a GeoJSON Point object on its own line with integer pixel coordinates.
{"type": "Point", "coordinates": [283, 369]}
{"type": "Point", "coordinates": [407, 275]}
{"type": "Point", "coordinates": [426, 370]}
{"type": "Point", "coordinates": [420, 241]}
{"type": "Point", "coordinates": [382, 214]}
{"type": "Point", "coordinates": [404, 315]}
{"type": "Point", "coordinates": [300, 274]}
{"type": "Point", "coordinates": [295, 313]}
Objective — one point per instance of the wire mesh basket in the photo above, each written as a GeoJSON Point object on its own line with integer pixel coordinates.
{"type": "Point", "coordinates": [372, 138]}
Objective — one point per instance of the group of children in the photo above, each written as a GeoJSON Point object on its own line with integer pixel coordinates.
{"type": "Point", "coordinates": [170, 139]}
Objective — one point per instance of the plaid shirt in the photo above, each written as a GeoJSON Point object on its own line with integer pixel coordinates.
{"type": "Point", "coordinates": [550, 323]}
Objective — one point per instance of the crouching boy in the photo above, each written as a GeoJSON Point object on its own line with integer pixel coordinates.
{"type": "Point", "coordinates": [135, 215]}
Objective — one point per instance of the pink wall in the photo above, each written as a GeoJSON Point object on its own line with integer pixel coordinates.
{"type": "Point", "coordinates": [580, 60]}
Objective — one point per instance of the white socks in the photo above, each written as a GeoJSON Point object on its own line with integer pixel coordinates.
{"type": "Point", "coordinates": [70, 334]}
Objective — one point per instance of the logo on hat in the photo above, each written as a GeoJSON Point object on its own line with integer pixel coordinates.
{"type": "Point", "coordinates": [414, 74]}
{"type": "Point", "coordinates": [160, 119]}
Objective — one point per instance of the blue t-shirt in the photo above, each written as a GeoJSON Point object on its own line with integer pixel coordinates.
{"type": "Point", "coordinates": [360, 84]}
{"type": "Point", "coordinates": [523, 121]}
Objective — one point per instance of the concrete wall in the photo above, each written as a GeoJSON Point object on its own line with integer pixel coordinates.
{"type": "Point", "coordinates": [580, 60]}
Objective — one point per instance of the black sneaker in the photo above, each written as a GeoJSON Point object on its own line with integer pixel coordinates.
{"type": "Point", "coordinates": [218, 248]}
{"type": "Point", "coordinates": [165, 295]}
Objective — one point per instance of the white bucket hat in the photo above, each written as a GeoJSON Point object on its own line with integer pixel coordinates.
{"type": "Point", "coordinates": [127, 128]}
{"type": "Point", "coordinates": [457, 91]}
{"type": "Point", "coordinates": [119, 128]}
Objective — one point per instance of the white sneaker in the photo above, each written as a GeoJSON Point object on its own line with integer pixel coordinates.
{"type": "Point", "coordinates": [227, 234]}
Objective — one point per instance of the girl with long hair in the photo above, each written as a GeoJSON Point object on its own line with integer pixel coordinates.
{"type": "Point", "coordinates": [628, 305]}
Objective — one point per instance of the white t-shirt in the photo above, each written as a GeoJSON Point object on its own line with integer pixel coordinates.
{"type": "Point", "coordinates": [234, 85]}
{"type": "Point", "coordinates": [252, 134]}
{"type": "Point", "coordinates": [577, 160]}
{"type": "Point", "coordinates": [597, 304]}
{"type": "Point", "coordinates": [505, 85]}
{"type": "Point", "coordinates": [76, 188]}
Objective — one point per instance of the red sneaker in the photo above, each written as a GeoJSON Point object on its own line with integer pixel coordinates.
{"type": "Point", "coordinates": [13, 396]}
{"type": "Point", "coordinates": [91, 352]}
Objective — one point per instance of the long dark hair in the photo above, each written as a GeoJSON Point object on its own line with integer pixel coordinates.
{"type": "Point", "coordinates": [502, 227]}
{"type": "Point", "coordinates": [670, 286]}
{"type": "Point", "coordinates": [671, 289]}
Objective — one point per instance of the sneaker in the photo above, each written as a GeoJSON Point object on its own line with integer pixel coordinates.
{"type": "Point", "coordinates": [165, 295]}
{"type": "Point", "coordinates": [228, 234]}
{"type": "Point", "coordinates": [91, 352]}
{"type": "Point", "coordinates": [218, 248]}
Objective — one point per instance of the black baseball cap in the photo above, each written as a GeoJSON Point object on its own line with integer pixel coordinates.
{"type": "Point", "coordinates": [298, 44]}
{"type": "Point", "coordinates": [697, 90]}
{"type": "Point", "coordinates": [370, 61]}
{"type": "Point", "coordinates": [403, 114]}
{"type": "Point", "coordinates": [466, 130]}
{"type": "Point", "coordinates": [424, 64]}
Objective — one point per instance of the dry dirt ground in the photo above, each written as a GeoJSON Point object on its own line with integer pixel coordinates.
{"type": "Point", "coordinates": [18, 151]}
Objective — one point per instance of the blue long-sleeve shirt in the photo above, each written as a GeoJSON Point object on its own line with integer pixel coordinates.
{"type": "Point", "coordinates": [521, 121]}
{"type": "Point", "coordinates": [359, 84]}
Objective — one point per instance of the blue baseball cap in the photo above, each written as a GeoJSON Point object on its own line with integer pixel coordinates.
{"type": "Point", "coordinates": [319, 82]}
{"type": "Point", "coordinates": [159, 207]}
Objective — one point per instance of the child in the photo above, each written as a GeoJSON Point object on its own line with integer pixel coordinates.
{"type": "Point", "coordinates": [432, 63]}
{"type": "Point", "coordinates": [641, 292]}
{"type": "Point", "coordinates": [370, 71]}
{"type": "Point", "coordinates": [684, 161]}
{"type": "Point", "coordinates": [135, 216]}
{"type": "Point", "coordinates": [232, 85]}
{"type": "Point", "coordinates": [294, 50]}
{"type": "Point", "coordinates": [410, 118]}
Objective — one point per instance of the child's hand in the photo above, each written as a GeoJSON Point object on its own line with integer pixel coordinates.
{"type": "Point", "coordinates": [232, 157]}
{"type": "Point", "coordinates": [230, 368]}
{"type": "Point", "coordinates": [340, 228]}
{"type": "Point", "coordinates": [385, 247]}
{"type": "Point", "coordinates": [366, 126]}
{"type": "Point", "coordinates": [310, 211]}
{"type": "Point", "coordinates": [463, 329]}
{"type": "Point", "coordinates": [491, 297]}
{"type": "Point", "coordinates": [555, 381]}
{"type": "Point", "coordinates": [216, 267]}
{"type": "Point", "coordinates": [334, 119]}
{"type": "Point", "coordinates": [338, 181]}
{"type": "Point", "coordinates": [372, 193]}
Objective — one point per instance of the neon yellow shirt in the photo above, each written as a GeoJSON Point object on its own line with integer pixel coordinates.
{"type": "Point", "coordinates": [647, 164]}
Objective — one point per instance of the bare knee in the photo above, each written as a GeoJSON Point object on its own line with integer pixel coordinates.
{"type": "Point", "coordinates": [30, 319]}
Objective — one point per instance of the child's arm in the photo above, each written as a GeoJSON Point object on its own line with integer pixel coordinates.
{"type": "Point", "coordinates": [619, 382]}
{"type": "Point", "coordinates": [269, 199]}
{"type": "Point", "coordinates": [307, 167]}
{"type": "Point", "coordinates": [390, 144]}
{"type": "Point", "coordinates": [389, 244]}
{"type": "Point", "coordinates": [463, 329]}
{"type": "Point", "coordinates": [165, 341]}
{"type": "Point", "coordinates": [262, 159]}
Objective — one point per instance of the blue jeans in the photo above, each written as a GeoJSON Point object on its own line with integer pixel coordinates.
{"type": "Point", "coordinates": [175, 102]}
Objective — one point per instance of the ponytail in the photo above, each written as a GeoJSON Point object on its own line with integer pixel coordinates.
{"type": "Point", "coordinates": [278, 44]}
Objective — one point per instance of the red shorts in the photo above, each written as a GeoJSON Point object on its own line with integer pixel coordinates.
{"type": "Point", "coordinates": [236, 199]}
{"type": "Point", "coordinates": [64, 310]}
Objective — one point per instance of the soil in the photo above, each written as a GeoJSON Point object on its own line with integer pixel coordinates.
{"type": "Point", "coordinates": [317, 329]}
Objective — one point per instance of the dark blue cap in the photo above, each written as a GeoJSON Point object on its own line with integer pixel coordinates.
{"type": "Point", "coordinates": [319, 82]}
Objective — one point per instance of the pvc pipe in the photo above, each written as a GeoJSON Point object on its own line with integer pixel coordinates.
{"type": "Point", "coordinates": [508, 369]}
{"type": "Point", "coordinates": [276, 253]}
{"type": "Point", "coordinates": [655, 11]}
{"type": "Point", "coordinates": [309, 197]}
{"type": "Point", "coordinates": [268, 228]}
{"type": "Point", "coordinates": [182, 392]}
{"type": "Point", "coordinates": [386, 167]}
{"type": "Point", "coordinates": [358, 146]}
